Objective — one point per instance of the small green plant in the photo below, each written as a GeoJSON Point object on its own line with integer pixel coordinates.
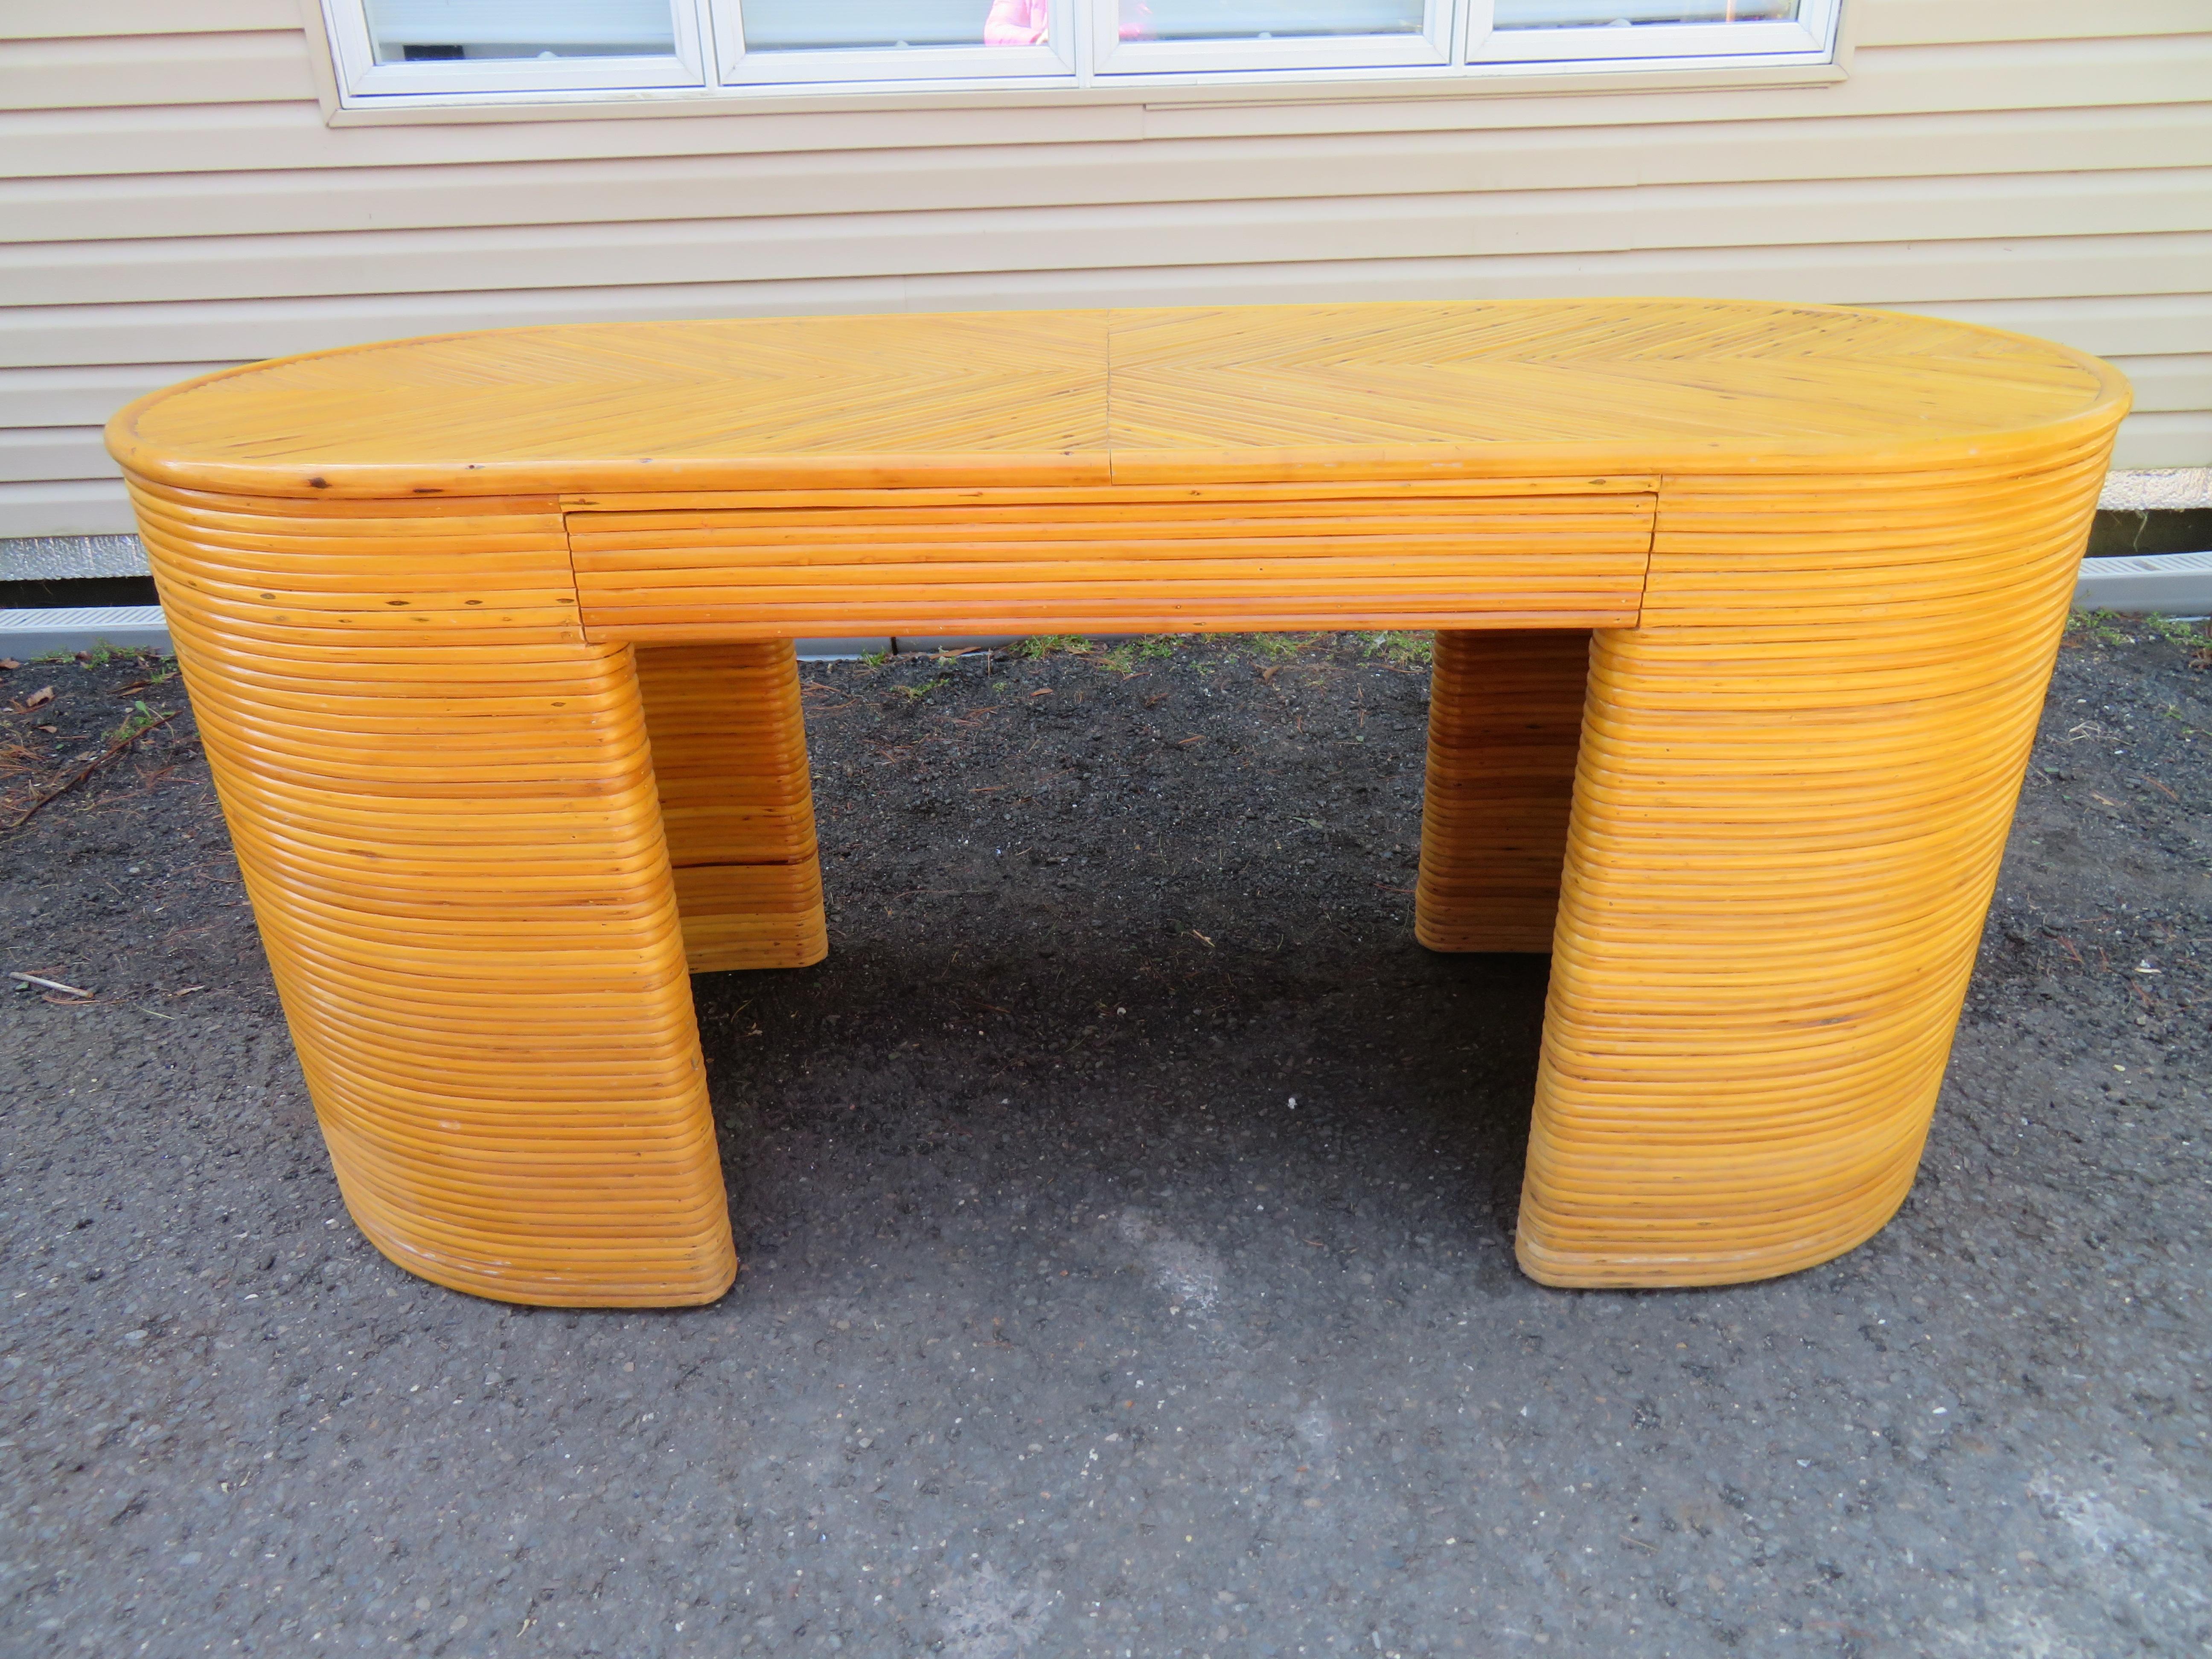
{"type": "Point", "coordinates": [1044, 645]}
{"type": "Point", "coordinates": [1122, 659]}
{"type": "Point", "coordinates": [1280, 645]}
{"type": "Point", "coordinates": [2095, 628]}
{"type": "Point", "coordinates": [2174, 632]}
{"type": "Point", "coordinates": [1159, 645]}
{"type": "Point", "coordinates": [103, 654]}
{"type": "Point", "coordinates": [140, 718]}
{"type": "Point", "coordinates": [915, 693]}
{"type": "Point", "coordinates": [1404, 650]}
{"type": "Point", "coordinates": [874, 659]}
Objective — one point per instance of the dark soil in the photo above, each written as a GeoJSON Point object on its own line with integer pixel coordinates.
{"type": "Point", "coordinates": [1063, 1331]}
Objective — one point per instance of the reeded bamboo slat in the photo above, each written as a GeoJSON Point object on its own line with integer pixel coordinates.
{"type": "Point", "coordinates": [1212, 558]}
{"type": "Point", "coordinates": [450, 838]}
{"type": "Point", "coordinates": [1787, 822]}
{"type": "Point", "coordinates": [729, 753]}
{"type": "Point", "coordinates": [1745, 614]}
{"type": "Point", "coordinates": [1505, 719]}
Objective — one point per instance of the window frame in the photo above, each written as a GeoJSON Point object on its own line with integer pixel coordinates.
{"type": "Point", "coordinates": [1053, 63]}
{"type": "Point", "coordinates": [1813, 31]}
{"type": "Point", "coordinates": [359, 73]}
{"type": "Point", "coordinates": [1431, 49]}
{"type": "Point", "coordinates": [1457, 49]}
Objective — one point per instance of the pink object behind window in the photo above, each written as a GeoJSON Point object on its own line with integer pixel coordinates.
{"type": "Point", "coordinates": [1015, 23]}
{"type": "Point", "coordinates": [1025, 22]}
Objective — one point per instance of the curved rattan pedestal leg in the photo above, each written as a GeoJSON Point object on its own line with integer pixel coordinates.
{"type": "Point", "coordinates": [1505, 716]}
{"type": "Point", "coordinates": [1794, 784]}
{"type": "Point", "coordinates": [443, 804]}
{"type": "Point", "coordinates": [737, 802]}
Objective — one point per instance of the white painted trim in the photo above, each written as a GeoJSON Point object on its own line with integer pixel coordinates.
{"type": "Point", "coordinates": [713, 73]}
{"type": "Point", "coordinates": [2173, 584]}
{"type": "Point", "coordinates": [27, 634]}
{"type": "Point", "coordinates": [1431, 48]}
{"type": "Point", "coordinates": [1811, 39]}
{"type": "Point", "coordinates": [1318, 89]}
{"type": "Point", "coordinates": [322, 60]}
{"type": "Point", "coordinates": [738, 68]}
{"type": "Point", "coordinates": [360, 76]}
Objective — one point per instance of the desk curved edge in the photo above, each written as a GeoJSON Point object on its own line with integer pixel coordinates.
{"type": "Point", "coordinates": [1794, 783]}
{"type": "Point", "coordinates": [444, 809]}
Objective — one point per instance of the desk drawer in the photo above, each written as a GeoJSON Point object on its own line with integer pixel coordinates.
{"type": "Point", "coordinates": [1225, 558]}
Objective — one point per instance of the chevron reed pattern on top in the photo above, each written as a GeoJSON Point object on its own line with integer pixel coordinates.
{"type": "Point", "coordinates": [1745, 614]}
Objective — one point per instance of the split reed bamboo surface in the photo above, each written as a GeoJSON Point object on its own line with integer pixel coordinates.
{"type": "Point", "coordinates": [1505, 722]}
{"type": "Point", "coordinates": [1795, 782]}
{"type": "Point", "coordinates": [444, 805]}
{"type": "Point", "coordinates": [729, 756]}
{"type": "Point", "coordinates": [1745, 613]}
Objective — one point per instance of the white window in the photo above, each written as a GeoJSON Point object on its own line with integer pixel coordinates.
{"type": "Point", "coordinates": [1617, 31]}
{"type": "Point", "coordinates": [394, 47]}
{"type": "Point", "coordinates": [1198, 36]}
{"type": "Point", "coordinates": [415, 51]}
{"type": "Point", "coordinates": [769, 43]}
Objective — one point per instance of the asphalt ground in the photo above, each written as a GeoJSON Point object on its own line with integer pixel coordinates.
{"type": "Point", "coordinates": [1126, 1209]}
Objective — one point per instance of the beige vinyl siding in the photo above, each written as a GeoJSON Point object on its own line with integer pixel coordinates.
{"type": "Point", "coordinates": [176, 200]}
{"type": "Point", "coordinates": [39, 20]}
{"type": "Point", "coordinates": [2123, 296]}
{"type": "Point", "coordinates": [83, 394]}
{"type": "Point", "coordinates": [35, 454]}
{"type": "Point", "coordinates": [153, 70]}
{"type": "Point", "coordinates": [1970, 22]}
{"type": "Point", "coordinates": [2171, 385]}
{"type": "Point", "coordinates": [2021, 155]}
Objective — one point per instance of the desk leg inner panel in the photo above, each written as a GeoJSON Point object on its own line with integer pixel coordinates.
{"type": "Point", "coordinates": [1505, 719]}
{"type": "Point", "coordinates": [729, 751]}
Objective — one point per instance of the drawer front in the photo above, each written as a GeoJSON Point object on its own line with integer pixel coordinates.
{"type": "Point", "coordinates": [1171, 559]}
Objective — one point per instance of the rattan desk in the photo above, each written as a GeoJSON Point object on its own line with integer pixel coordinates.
{"type": "Point", "coordinates": [1744, 617]}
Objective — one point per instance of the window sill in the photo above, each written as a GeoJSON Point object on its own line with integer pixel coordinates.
{"type": "Point", "coordinates": [1325, 88]}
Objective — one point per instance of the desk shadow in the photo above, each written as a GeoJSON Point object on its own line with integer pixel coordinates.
{"type": "Point", "coordinates": [1092, 929]}
{"type": "Point", "coordinates": [1375, 1085]}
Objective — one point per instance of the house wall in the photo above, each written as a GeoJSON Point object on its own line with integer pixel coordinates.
{"type": "Point", "coordinates": [174, 199]}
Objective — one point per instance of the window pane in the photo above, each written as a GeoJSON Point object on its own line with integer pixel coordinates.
{"type": "Point", "coordinates": [1265, 19]}
{"type": "Point", "coordinates": [427, 31]}
{"type": "Point", "coordinates": [840, 25]}
{"type": "Point", "coordinates": [1628, 14]}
